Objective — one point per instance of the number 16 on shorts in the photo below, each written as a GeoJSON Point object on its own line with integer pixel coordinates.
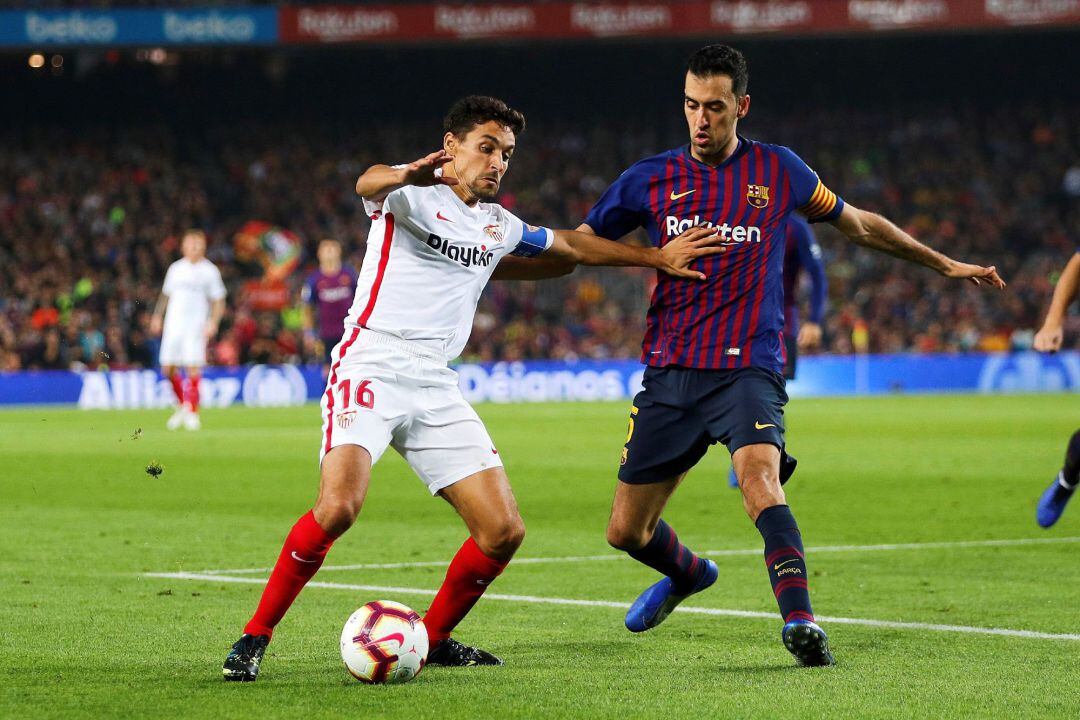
{"type": "Point", "coordinates": [363, 396]}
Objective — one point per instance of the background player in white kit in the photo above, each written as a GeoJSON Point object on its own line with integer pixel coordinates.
{"type": "Point", "coordinates": [192, 302]}
{"type": "Point", "coordinates": [432, 248]}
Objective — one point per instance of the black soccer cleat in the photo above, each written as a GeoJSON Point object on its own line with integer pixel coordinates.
{"type": "Point", "coordinates": [242, 663]}
{"type": "Point", "coordinates": [451, 653]}
{"type": "Point", "coordinates": [808, 643]}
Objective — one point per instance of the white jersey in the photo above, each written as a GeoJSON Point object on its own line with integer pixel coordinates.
{"type": "Point", "coordinates": [191, 288]}
{"type": "Point", "coordinates": [429, 256]}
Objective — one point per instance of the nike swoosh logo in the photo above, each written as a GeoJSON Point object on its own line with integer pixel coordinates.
{"type": "Point", "coordinates": [759, 426]}
{"type": "Point", "coordinates": [676, 196]}
{"type": "Point", "coordinates": [777, 566]}
{"type": "Point", "coordinates": [297, 557]}
{"type": "Point", "coordinates": [440, 216]}
{"type": "Point", "coordinates": [372, 643]}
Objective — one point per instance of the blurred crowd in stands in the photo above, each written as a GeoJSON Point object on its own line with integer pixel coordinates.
{"type": "Point", "coordinates": [90, 220]}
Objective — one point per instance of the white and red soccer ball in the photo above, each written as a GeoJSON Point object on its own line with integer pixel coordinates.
{"type": "Point", "coordinates": [384, 642]}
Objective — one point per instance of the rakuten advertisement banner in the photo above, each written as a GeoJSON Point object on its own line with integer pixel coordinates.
{"type": "Point", "coordinates": [692, 18]}
{"type": "Point", "coordinates": [553, 381]}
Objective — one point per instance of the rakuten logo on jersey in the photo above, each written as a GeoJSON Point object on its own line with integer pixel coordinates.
{"type": "Point", "coordinates": [466, 257]}
{"type": "Point", "coordinates": [728, 233]}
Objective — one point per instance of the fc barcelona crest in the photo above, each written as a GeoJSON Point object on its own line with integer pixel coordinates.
{"type": "Point", "coordinates": [757, 195]}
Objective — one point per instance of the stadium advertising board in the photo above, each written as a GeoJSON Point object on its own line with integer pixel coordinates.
{"type": "Point", "coordinates": [511, 21]}
{"type": "Point", "coordinates": [419, 22]}
{"type": "Point", "coordinates": [75, 28]}
{"type": "Point", "coordinates": [554, 381]}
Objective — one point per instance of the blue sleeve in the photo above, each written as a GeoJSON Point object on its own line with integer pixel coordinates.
{"type": "Point", "coordinates": [621, 208]}
{"type": "Point", "coordinates": [811, 260]}
{"type": "Point", "coordinates": [815, 201]}
{"type": "Point", "coordinates": [307, 293]}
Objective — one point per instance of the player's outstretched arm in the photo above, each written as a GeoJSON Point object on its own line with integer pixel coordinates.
{"type": "Point", "coordinates": [674, 258]}
{"type": "Point", "coordinates": [873, 231]}
{"type": "Point", "coordinates": [378, 181]}
{"type": "Point", "coordinates": [541, 267]}
{"type": "Point", "coordinates": [1050, 335]}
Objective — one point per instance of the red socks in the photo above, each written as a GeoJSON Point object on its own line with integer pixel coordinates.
{"type": "Point", "coordinates": [301, 557]}
{"type": "Point", "coordinates": [177, 381]}
{"type": "Point", "coordinates": [469, 574]}
{"type": "Point", "coordinates": [187, 391]}
{"type": "Point", "coordinates": [191, 394]}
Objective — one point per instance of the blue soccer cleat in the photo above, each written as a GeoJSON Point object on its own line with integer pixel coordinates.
{"type": "Point", "coordinates": [1052, 503]}
{"type": "Point", "coordinates": [654, 605]}
{"type": "Point", "coordinates": [808, 643]}
{"type": "Point", "coordinates": [732, 478]}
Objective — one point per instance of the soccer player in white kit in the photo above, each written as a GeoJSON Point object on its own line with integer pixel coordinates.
{"type": "Point", "coordinates": [192, 302]}
{"type": "Point", "coordinates": [435, 240]}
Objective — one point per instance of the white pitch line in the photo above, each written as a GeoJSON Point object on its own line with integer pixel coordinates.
{"type": "Point", "coordinates": [969, 629]}
{"type": "Point", "coordinates": [713, 553]}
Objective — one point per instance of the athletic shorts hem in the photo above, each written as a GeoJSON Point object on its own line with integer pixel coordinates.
{"type": "Point", "coordinates": [436, 485]}
{"type": "Point", "coordinates": [737, 444]}
{"type": "Point", "coordinates": [649, 478]}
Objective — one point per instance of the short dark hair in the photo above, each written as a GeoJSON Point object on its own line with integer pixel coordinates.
{"type": "Point", "coordinates": [468, 112]}
{"type": "Point", "coordinates": [714, 60]}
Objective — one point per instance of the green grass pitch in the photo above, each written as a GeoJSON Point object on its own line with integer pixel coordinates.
{"type": "Point", "coordinates": [84, 632]}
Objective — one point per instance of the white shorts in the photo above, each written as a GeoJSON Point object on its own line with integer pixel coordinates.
{"type": "Point", "coordinates": [383, 391]}
{"type": "Point", "coordinates": [185, 348]}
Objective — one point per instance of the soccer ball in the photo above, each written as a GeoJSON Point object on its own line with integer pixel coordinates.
{"type": "Point", "coordinates": [384, 642]}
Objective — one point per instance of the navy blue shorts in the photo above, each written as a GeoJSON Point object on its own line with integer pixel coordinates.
{"type": "Point", "coordinates": [682, 411]}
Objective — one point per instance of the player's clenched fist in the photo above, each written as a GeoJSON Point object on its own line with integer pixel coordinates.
{"type": "Point", "coordinates": [1049, 338]}
{"type": "Point", "coordinates": [687, 247]}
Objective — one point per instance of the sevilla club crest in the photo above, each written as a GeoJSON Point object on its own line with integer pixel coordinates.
{"type": "Point", "coordinates": [757, 195]}
{"type": "Point", "coordinates": [494, 232]}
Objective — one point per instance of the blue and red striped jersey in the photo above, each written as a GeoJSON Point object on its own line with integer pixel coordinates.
{"type": "Point", "coordinates": [735, 318]}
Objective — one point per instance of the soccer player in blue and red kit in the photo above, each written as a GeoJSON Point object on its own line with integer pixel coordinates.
{"type": "Point", "coordinates": [1049, 338]}
{"type": "Point", "coordinates": [328, 294]}
{"type": "Point", "coordinates": [714, 349]}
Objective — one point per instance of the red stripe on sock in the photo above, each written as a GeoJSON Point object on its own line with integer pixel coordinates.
{"type": "Point", "coordinates": [788, 584]}
{"type": "Point", "coordinates": [798, 615]}
{"type": "Point", "coordinates": [782, 552]}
